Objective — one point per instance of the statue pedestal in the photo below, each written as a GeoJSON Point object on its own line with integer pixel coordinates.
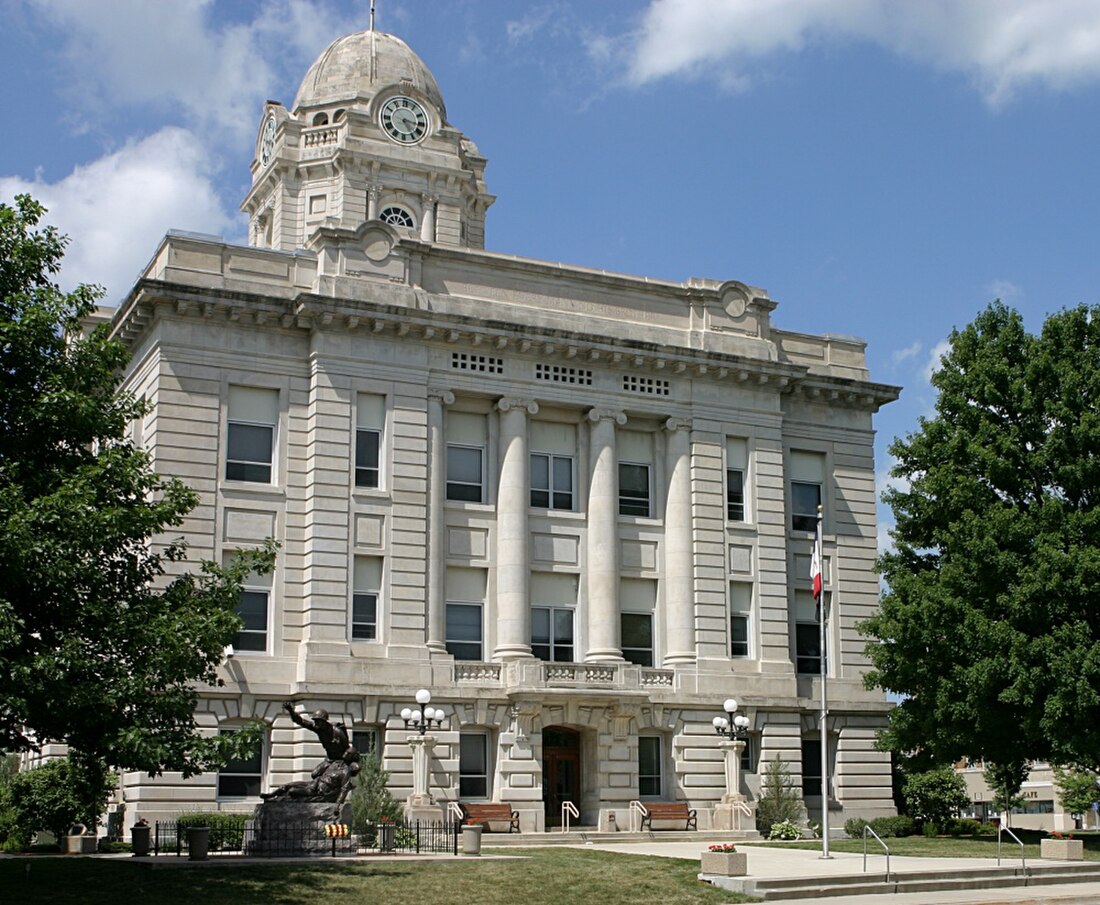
{"type": "Point", "coordinates": [285, 827]}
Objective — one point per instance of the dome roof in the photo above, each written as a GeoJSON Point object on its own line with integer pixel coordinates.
{"type": "Point", "coordinates": [358, 65]}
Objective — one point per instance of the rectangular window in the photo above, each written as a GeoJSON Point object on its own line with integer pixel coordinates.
{"type": "Point", "coordinates": [635, 451]}
{"type": "Point", "coordinates": [649, 766]}
{"type": "Point", "coordinates": [365, 741]}
{"type": "Point", "coordinates": [253, 612]}
{"type": "Point", "coordinates": [633, 489]}
{"type": "Point", "coordinates": [748, 764]}
{"type": "Point", "coordinates": [807, 471]}
{"type": "Point", "coordinates": [241, 778]}
{"type": "Point", "coordinates": [553, 447]}
{"type": "Point", "coordinates": [554, 601]}
{"type": "Point", "coordinates": [465, 590]}
{"type": "Point", "coordinates": [467, 436]}
{"type": "Point", "coordinates": [551, 482]}
{"type": "Point", "coordinates": [366, 585]}
{"type": "Point", "coordinates": [370, 417]}
{"type": "Point", "coordinates": [637, 600]}
{"type": "Point", "coordinates": [740, 618]}
{"type": "Point", "coordinates": [736, 466]}
{"type": "Point", "coordinates": [473, 765]}
{"type": "Point", "coordinates": [811, 767]}
{"type": "Point", "coordinates": [250, 442]}
{"type": "Point", "coordinates": [807, 634]}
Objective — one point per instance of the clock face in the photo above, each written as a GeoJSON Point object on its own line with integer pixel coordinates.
{"type": "Point", "coordinates": [403, 120]}
{"type": "Point", "coordinates": [267, 142]}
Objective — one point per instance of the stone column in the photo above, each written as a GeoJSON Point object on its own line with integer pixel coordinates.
{"type": "Point", "coordinates": [421, 805]}
{"type": "Point", "coordinates": [728, 814]}
{"type": "Point", "coordinates": [374, 194]}
{"type": "Point", "coordinates": [437, 486]}
{"type": "Point", "coordinates": [427, 222]}
{"type": "Point", "coordinates": [513, 611]}
{"type": "Point", "coordinates": [603, 539]}
{"type": "Point", "coordinates": [679, 574]}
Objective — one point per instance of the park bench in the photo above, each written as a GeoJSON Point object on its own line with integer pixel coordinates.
{"type": "Point", "coordinates": [500, 812]}
{"type": "Point", "coordinates": [668, 810]}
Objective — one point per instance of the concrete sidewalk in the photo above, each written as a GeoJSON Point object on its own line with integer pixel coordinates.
{"type": "Point", "coordinates": [767, 862]}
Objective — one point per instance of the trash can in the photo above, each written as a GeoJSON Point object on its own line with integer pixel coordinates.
{"type": "Point", "coordinates": [198, 843]}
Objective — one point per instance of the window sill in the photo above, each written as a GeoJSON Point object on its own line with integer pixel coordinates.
{"type": "Point", "coordinates": [563, 514]}
{"type": "Point", "coordinates": [374, 494]}
{"type": "Point", "coordinates": [251, 487]}
{"type": "Point", "coordinates": [459, 506]}
{"type": "Point", "coordinates": [648, 521]}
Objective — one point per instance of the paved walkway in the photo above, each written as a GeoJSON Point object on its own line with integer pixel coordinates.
{"type": "Point", "coordinates": [767, 862]}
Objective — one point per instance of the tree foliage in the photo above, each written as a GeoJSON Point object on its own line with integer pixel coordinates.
{"type": "Point", "coordinates": [990, 628]}
{"type": "Point", "coordinates": [371, 800]}
{"type": "Point", "coordinates": [1006, 780]}
{"type": "Point", "coordinates": [780, 799]}
{"type": "Point", "coordinates": [1077, 788]}
{"type": "Point", "coordinates": [58, 794]}
{"type": "Point", "coordinates": [100, 647]}
{"type": "Point", "coordinates": [935, 796]}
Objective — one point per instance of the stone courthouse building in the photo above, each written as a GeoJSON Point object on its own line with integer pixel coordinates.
{"type": "Point", "coordinates": [576, 506]}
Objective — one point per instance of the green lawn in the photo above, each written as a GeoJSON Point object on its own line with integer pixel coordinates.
{"type": "Point", "coordinates": [549, 876]}
{"type": "Point", "coordinates": [946, 847]}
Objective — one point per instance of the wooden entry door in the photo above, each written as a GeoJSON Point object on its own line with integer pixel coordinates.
{"type": "Point", "coordinates": [561, 771]}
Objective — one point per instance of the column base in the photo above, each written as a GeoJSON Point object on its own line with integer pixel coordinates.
{"type": "Point", "coordinates": [605, 655]}
{"type": "Point", "coordinates": [513, 652]}
{"type": "Point", "coordinates": [679, 659]}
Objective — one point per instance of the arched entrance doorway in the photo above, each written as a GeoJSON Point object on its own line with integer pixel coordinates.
{"type": "Point", "coordinates": [561, 771]}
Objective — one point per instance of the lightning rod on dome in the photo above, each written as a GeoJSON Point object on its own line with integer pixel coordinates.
{"type": "Point", "coordinates": [372, 15]}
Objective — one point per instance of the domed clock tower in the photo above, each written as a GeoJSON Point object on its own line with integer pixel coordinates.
{"type": "Point", "coordinates": [366, 140]}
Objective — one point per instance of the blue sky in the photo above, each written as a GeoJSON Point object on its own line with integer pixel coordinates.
{"type": "Point", "coordinates": [884, 169]}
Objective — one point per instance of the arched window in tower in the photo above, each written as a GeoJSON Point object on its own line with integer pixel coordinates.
{"type": "Point", "coordinates": [396, 216]}
{"type": "Point", "coordinates": [321, 119]}
{"type": "Point", "coordinates": [338, 115]}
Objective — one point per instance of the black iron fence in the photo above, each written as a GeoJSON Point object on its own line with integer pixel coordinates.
{"type": "Point", "coordinates": [307, 838]}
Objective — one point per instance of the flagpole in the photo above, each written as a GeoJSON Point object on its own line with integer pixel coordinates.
{"type": "Point", "coordinates": [818, 556]}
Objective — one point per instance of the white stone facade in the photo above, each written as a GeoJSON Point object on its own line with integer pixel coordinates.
{"type": "Point", "coordinates": [606, 471]}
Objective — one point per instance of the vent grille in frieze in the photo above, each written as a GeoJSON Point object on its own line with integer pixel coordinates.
{"type": "Point", "coordinates": [562, 374]}
{"type": "Point", "coordinates": [650, 386]}
{"type": "Point", "coordinates": [483, 364]}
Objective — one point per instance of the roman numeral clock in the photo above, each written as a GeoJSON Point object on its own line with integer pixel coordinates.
{"type": "Point", "coordinates": [403, 120]}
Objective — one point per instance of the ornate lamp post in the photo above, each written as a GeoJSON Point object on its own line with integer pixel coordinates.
{"type": "Point", "coordinates": [420, 721]}
{"type": "Point", "coordinates": [734, 731]}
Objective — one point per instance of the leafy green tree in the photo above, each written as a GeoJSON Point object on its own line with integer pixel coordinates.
{"type": "Point", "coordinates": [780, 799]}
{"type": "Point", "coordinates": [58, 794]}
{"type": "Point", "coordinates": [990, 630]}
{"type": "Point", "coordinates": [100, 647]}
{"type": "Point", "coordinates": [1006, 780]}
{"type": "Point", "coordinates": [1077, 789]}
{"type": "Point", "coordinates": [371, 801]}
{"type": "Point", "coordinates": [935, 796]}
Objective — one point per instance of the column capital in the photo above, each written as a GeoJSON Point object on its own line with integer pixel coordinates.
{"type": "Point", "coordinates": [677, 424]}
{"type": "Point", "coordinates": [442, 394]}
{"type": "Point", "coordinates": [595, 415]}
{"type": "Point", "coordinates": [429, 198]}
{"type": "Point", "coordinates": [374, 191]}
{"type": "Point", "coordinates": [508, 403]}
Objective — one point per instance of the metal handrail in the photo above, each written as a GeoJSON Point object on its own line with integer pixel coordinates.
{"type": "Point", "coordinates": [740, 808]}
{"type": "Point", "coordinates": [867, 829]}
{"type": "Point", "coordinates": [1023, 857]}
{"type": "Point", "coordinates": [636, 807]}
{"type": "Point", "coordinates": [567, 809]}
{"type": "Point", "coordinates": [453, 807]}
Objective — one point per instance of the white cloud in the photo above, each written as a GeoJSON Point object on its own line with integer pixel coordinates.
{"type": "Point", "coordinates": [117, 208]}
{"type": "Point", "coordinates": [933, 363]}
{"type": "Point", "coordinates": [1002, 45]}
{"type": "Point", "coordinates": [1005, 290]}
{"type": "Point", "coordinates": [171, 57]}
{"type": "Point", "coordinates": [900, 355]}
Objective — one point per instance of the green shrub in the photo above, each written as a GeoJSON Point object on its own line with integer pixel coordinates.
{"type": "Point", "coordinates": [785, 830]}
{"type": "Point", "coordinates": [964, 827]}
{"type": "Point", "coordinates": [107, 847]}
{"type": "Point", "coordinates": [930, 830]}
{"type": "Point", "coordinates": [894, 826]}
{"type": "Point", "coordinates": [226, 830]}
{"type": "Point", "coordinates": [987, 829]}
{"type": "Point", "coordinates": [58, 794]}
{"type": "Point", "coordinates": [853, 827]}
{"type": "Point", "coordinates": [371, 801]}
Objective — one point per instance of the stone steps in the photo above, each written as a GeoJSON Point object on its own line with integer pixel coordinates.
{"type": "Point", "coordinates": [581, 835]}
{"type": "Point", "coordinates": [779, 889]}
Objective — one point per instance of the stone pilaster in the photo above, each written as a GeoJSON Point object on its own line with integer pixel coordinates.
{"type": "Point", "coordinates": [603, 539]}
{"type": "Point", "coordinates": [374, 195]}
{"type": "Point", "coordinates": [513, 611]}
{"type": "Point", "coordinates": [437, 486]}
{"type": "Point", "coordinates": [427, 221]}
